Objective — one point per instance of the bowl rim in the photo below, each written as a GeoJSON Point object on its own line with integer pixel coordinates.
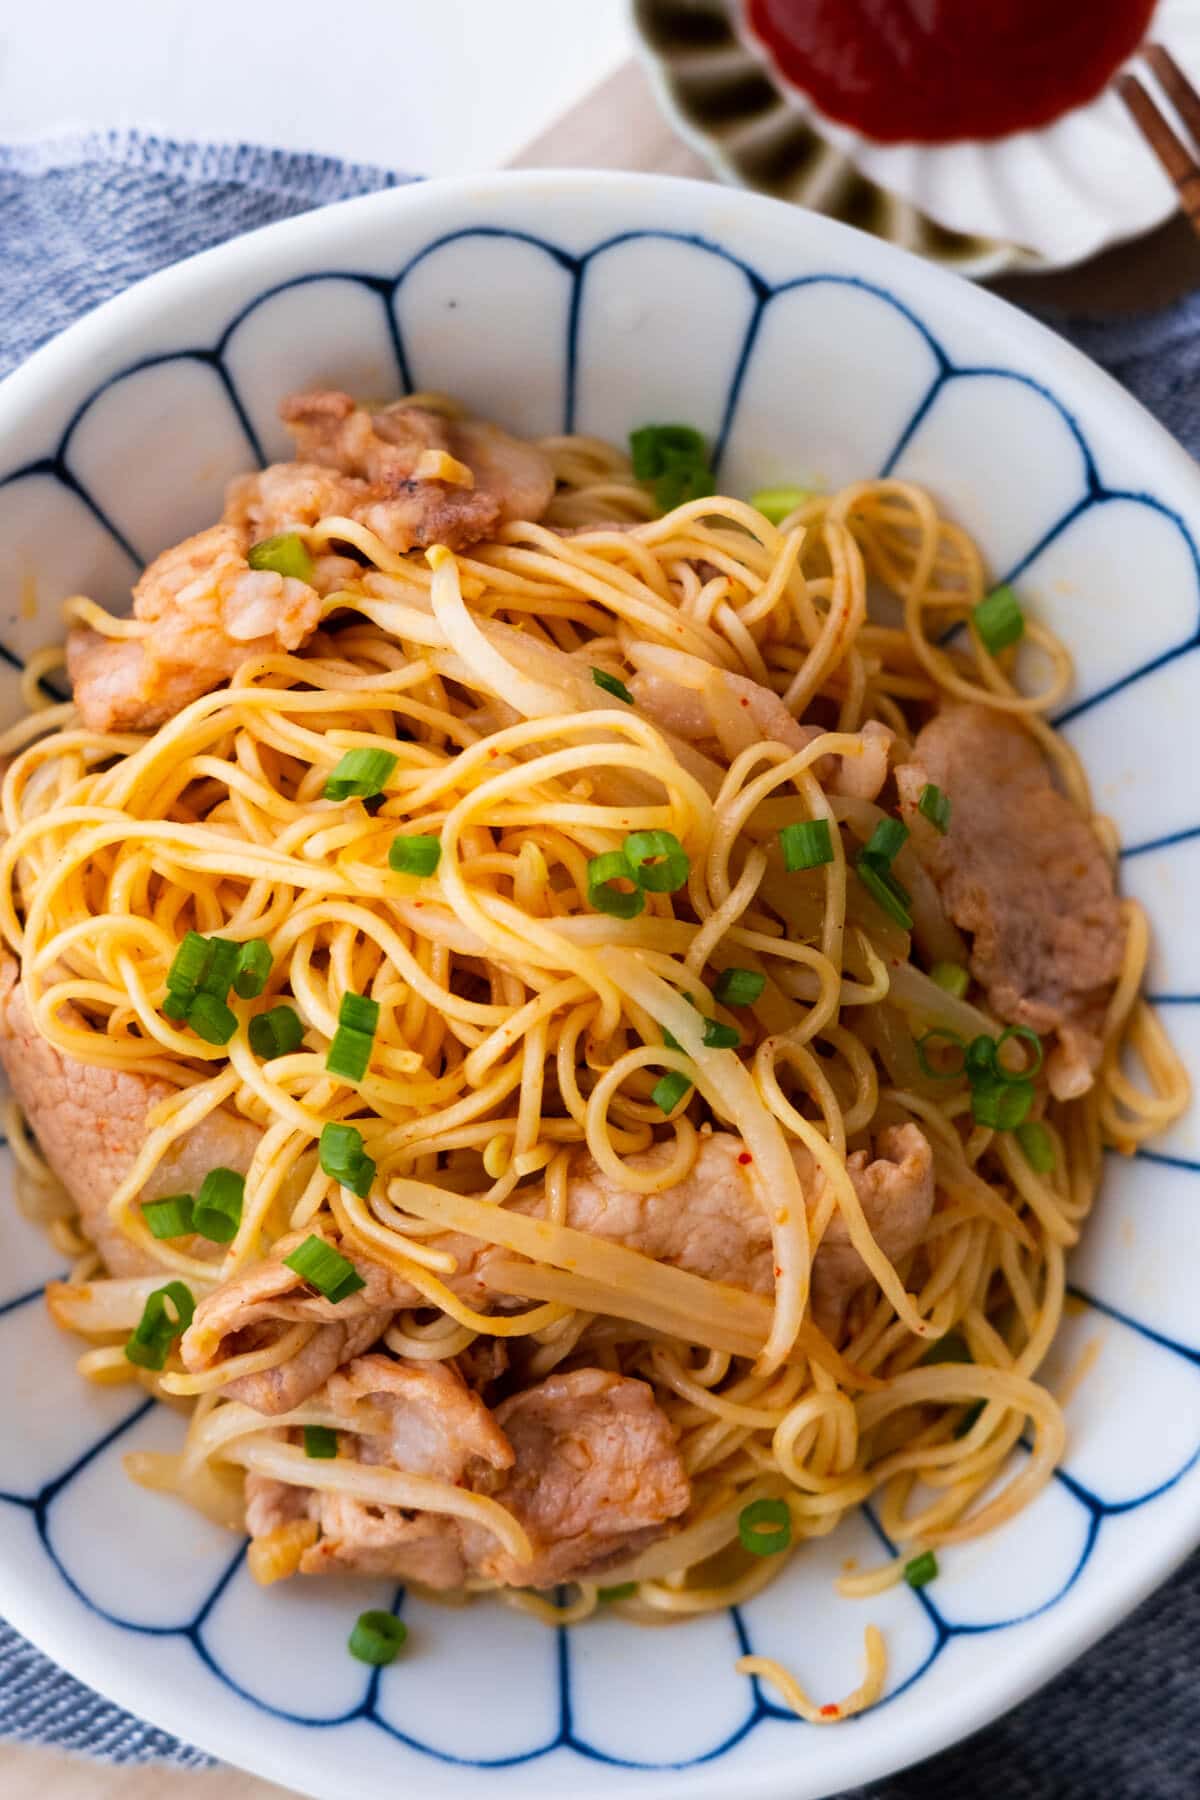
{"type": "Point", "coordinates": [108, 334]}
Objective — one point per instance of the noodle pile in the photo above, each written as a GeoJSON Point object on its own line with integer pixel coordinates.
{"type": "Point", "coordinates": [517, 1022]}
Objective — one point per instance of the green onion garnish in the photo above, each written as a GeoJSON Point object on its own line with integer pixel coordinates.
{"type": "Point", "coordinates": [670, 1091]}
{"type": "Point", "coordinates": [980, 1059]}
{"type": "Point", "coordinates": [283, 555]}
{"type": "Point", "coordinates": [885, 890]}
{"type": "Point", "coordinates": [276, 1033]}
{"type": "Point", "coordinates": [211, 1019]}
{"type": "Point", "coordinates": [325, 1269]}
{"type": "Point", "coordinates": [952, 977]}
{"type": "Point", "coordinates": [166, 1315]}
{"type": "Point", "coordinates": [377, 1638]}
{"type": "Point", "coordinates": [941, 1035]}
{"type": "Point", "coordinates": [602, 873]}
{"type": "Point", "coordinates": [935, 806]}
{"type": "Point", "coordinates": [880, 849]}
{"type": "Point", "coordinates": [776, 503]}
{"type": "Point", "coordinates": [999, 619]}
{"type": "Point", "coordinates": [360, 1012]}
{"type": "Point", "coordinates": [765, 1527]}
{"type": "Point", "coordinates": [218, 975]}
{"type": "Point", "coordinates": [739, 987]}
{"type": "Point", "coordinates": [360, 774]}
{"type": "Point", "coordinates": [612, 684]}
{"type": "Point", "coordinates": [218, 1209]}
{"type": "Point", "coordinates": [921, 1570]}
{"type": "Point", "coordinates": [188, 964]}
{"type": "Point", "coordinates": [253, 969]}
{"type": "Point", "coordinates": [342, 1156]}
{"type": "Point", "coordinates": [1037, 1146]}
{"type": "Point", "coordinates": [1001, 1104]}
{"type": "Point", "coordinates": [415, 855]}
{"type": "Point", "coordinates": [349, 1054]}
{"type": "Point", "coordinates": [622, 1591]}
{"type": "Point", "coordinates": [675, 459]}
{"type": "Point", "coordinates": [320, 1442]}
{"type": "Point", "coordinates": [1026, 1036]}
{"type": "Point", "coordinates": [175, 1005]}
{"type": "Point", "coordinates": [949, 1349]}
{"type": "Point", "coordinates": [969, 1419]}
{"type": "Point", "coordinates": [806, 845]}
{"type": "Point", "coordinates": [721, 1037]}
{"type": "Point", "coordinates": [170, 1217]}
{"type": "Point", "coordinates": [658, 860]}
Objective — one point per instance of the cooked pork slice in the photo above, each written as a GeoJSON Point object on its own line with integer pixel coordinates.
{"type": "Point", "coordinates": [737, 712]}
{"type": "Point", "coordinates": [420, 1418]}
{"type": "Point", "coordinates": [408, 474]}
{"type": "Point", "coordinates": [253, 1310]}
{"type": "Point", "coordinates": [597, 1475]}
{"type": "Point", "coordinates": [896, 1192]}
{"type": "Point", "coordinates": [206, 612]}
{"type": "Point", "coordinates": [1024, 874]}
{"type": "Point", "coordinates": [90, 1121]}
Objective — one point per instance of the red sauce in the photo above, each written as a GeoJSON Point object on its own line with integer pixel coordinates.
{"type": "Point", "coordinates": [930, 71]}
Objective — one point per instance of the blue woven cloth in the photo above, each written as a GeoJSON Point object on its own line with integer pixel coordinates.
{"type": "Point", "coordinates": [83, 218]}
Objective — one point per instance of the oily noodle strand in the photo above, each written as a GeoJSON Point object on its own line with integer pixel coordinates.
{"type": "Point", "coordinates": [519, 1025]}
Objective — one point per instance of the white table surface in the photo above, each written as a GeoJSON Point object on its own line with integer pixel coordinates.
{"type": "Point", "coordinates": [433, 86]}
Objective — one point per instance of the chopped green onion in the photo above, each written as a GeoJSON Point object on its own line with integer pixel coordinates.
{"type": "Point", "coordinates": [360, 1012]}
{"type": "Point", "coordinates": [776, 503]}
{"type": "Point", "coordinates": [1001, 1104]}
{"type": "Point", "coordinates": [885, 890]}
{"type": "Point", "coordinates": [658, 860]}
{"type": "Point", "coordinates": [1026, 1036]}
{"type": "Point", "coordinates": [952, 977]}
{"type": "Point", "coordinates": [612, 684]}
{"type": "Point", "coordinates": [222, 962]}
{"type": "Point", "coordinates": [156, 1330]}
{"type": "Point", "coordinates": [325, 1269]}
{"type": "Point", "coordinates": [1037, 1146]}
{"type": "Point", "coordinates": [935, 806]}
{"type": "Point", "coordinates": [921, 1570]}
{"type": "Point", "coordinates": [342, 1156]}
{"type": "Point", "coordinates": [622, 1591]}
{"type": "Point", "coordinates": [999, 619]}
{"type": "Point", "coordinates": [175, 1005]}
{"type": "Point", "coordinates": [675, 458]}
{"type": "Point", "coordinates": [418, 855]}
{"type": "Point", "coordinates": [188, 964]}
{"type": "Point", "coordinates": [364, 1175]}
{"type": "Point", "coordinates": [739, 987]}
{"type": "Point", "coordinates": [721, 1037]}
{"type": "Point", "coordinates": [320, 1442]}
{"type": "Point", "coordinates": [806, 845]}
{"type": "Point", "coordinates": [602, 873]}
{"type": "Point", "coordinates": [765, 1527]}
{"type": "Point", "coordinates": [170, 1217]}
{"type": "Point", "coordinates": [670, 1091]}
{"type": "Point", "coordinates": [980, 1060]}
{"type": "Point", "coordinates": [969, 1419]}
{"type": "Point", "coordinates": [350, 1053]}
{"type": "Point", "coordinates": [284, 554]}
{"type": "Point", "coordinates": [253, 969]}
{"type": "Point", "coordinates": [360, 774]}
{"type": "Point", "coordinates": [211, 1019]}
{"type": "Point", "coordinates": [377, 1638]}
{"type": "Point", "coordinates": [880, 849]}
{"type": "Point", "coordinates": [949, 1349]}
{"type": "Point", "coordinates": [276, 1033]}
{"type": "Point", "coordinates": [218, 1211]}
{"type": "Point", "coordinates": [940, 1036]}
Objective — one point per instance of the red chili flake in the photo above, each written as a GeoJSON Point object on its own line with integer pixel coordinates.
{"type": "Point", "coordinates": [829, 1712]}
{"type": "Point", "coordinates": [778, 1271]}
{"type": "Point", "coordinates": [743, 701]}
{"type": "Point", "coordinates": [745, 1157]}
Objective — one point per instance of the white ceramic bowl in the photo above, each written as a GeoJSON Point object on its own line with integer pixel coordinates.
{"type": "Point", "coordinates": [807, 353]}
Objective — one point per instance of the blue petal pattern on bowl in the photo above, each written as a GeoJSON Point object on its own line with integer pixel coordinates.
{"type": "Point", "coordinates": [588, 1692]}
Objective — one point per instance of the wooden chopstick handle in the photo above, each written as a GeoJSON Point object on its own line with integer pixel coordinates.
{"type": "Point", "coordinates": [1162, 138]}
